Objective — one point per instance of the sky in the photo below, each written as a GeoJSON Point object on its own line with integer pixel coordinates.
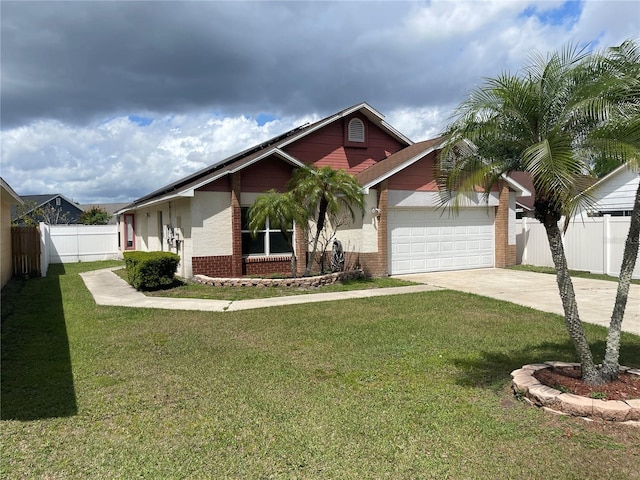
{"type": "Point", "coordinates": [107, 101]}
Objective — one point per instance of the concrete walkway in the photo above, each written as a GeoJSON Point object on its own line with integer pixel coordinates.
{"type": "Point", "coordinates": [108, 288]}
{"type": "Point", "coordinates": [535, 290]}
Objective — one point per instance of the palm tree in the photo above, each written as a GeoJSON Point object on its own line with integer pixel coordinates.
{"type": "Point", "coordinates": [323, 192]}
{"type": "Point", "coordinates": [550, 122]}
{"type": "Point", "coordinates": [282, 211]}
{"type": "Point", "coordinates": [623, 63]}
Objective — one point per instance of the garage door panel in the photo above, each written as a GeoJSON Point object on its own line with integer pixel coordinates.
{"type": "Point", "coordinates": [422, 240]}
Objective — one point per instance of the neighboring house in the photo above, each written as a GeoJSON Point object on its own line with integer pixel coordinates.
{"type": "Point", "coordinates": [202, 216]}
{"type": "Point", "coordinates": [614, 194]}
{"type": "Point", "coordinates": [57, 208]}
{"type": "Point", "coordinates": [595, 238]}
{"type": "Point", "coordinates": [9, 198]}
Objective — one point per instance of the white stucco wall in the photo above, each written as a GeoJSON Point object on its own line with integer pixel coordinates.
{"type": "Point", "coordinates": [362, 235]}
{"type": "Point", "coordinates": [211, 228]}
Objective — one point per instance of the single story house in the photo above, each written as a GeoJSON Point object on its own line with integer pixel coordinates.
{"type": "Point", "coordinates": [404, 230]}
{"type": "Point", "coordinates": [9, 199]}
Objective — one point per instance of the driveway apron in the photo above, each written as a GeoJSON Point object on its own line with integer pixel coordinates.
{"type": "Point", "coordinates": [540, 291]}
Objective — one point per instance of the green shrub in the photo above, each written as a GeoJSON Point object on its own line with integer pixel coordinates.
{"type": "Point", "coordinates": [151, 270]}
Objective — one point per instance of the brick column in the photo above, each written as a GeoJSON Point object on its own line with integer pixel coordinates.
{"type": "Point", "coordinates": [301, 246]}
{"type": "Point", "coordinates": [505, 254]}
{"type": "Point", "coordinates": [383, 237]}
{"type": "Point", "coordinates": [236, 226]}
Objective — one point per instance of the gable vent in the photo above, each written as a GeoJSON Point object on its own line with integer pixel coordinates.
{"type": "Point", "coordinates": [356, 130]}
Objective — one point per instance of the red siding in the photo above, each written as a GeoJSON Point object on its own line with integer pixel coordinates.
{"type": "Point", "coordinates": [265, 175]}
{"type": "Point", "coordinates": [326, 147]}
{"type": "Point", "coordinates": [220, 185]}
{"type": "Point", "coordinates": [419, 176]}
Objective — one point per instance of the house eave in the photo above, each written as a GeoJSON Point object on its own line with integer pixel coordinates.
{"type": "Point", "coordinates": [516, 187]}
{"type": "Point", "coordinates": [13, 197]}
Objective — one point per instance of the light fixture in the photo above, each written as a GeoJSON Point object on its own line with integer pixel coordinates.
{"type": "Point", "coordinates": [375, 211]}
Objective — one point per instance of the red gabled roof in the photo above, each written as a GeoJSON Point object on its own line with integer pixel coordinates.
{"type": "Point", "coordinates": [262, 150]}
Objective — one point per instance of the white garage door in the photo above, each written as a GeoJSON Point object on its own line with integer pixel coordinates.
{"type": "Point", "coordinates": [427, 240]}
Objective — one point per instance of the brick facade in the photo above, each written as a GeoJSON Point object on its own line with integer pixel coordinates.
{"type": "Point", "coordinates": [376, 264]}
{"type": "Point", "coordinates": [222, 266]}
{"type": "Point", "coordinates": [505, 254]}
{"type": "Point", "coordinates": [265, 266]}
{"type": "Point", "coordinates": [215, 266]}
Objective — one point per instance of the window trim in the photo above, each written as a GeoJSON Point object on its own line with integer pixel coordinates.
{"type": "Point", "coordinates": [267, 243]}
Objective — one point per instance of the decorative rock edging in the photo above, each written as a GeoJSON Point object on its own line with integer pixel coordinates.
{"type": "Point", "coordinates": [299, 282]}
{"type": "Point", "coordinates": [535, 393]}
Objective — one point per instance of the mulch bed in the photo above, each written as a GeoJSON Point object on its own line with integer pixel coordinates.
{"type": "Point", "coordinates": [567, 379]}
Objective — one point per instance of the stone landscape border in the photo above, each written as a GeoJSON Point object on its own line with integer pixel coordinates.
{"type": "Point", "coordinates": [535, 393]}
{"type": "Point", "coordinates": [299, 282]}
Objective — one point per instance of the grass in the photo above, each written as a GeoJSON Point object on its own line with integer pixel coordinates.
{"type": "Point", "coordinates": [189, 289]}
{"type": "Point", "coordinates": [407, 386]}
{"type": "Point", "coordinates": [574, 273]}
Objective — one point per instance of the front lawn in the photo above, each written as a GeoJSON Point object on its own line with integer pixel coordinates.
{"type": "Point", "coordinates": [407, 386]}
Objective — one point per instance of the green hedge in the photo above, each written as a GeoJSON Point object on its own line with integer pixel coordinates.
{"type": "Point", "coordinates": [151, 270]}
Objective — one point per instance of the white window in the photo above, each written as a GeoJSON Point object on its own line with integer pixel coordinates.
{"type": "Point", "coordinates": [356, 130]}
{"type": "Point", "coordinates": [267, 240]}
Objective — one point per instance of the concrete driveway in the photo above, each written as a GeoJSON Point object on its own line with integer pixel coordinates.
{"type": "Point", "coordinates": [540, 291]}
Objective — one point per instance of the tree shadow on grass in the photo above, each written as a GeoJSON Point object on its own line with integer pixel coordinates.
{"type": "Point", "coordinates": [492, 369]}
{"type": "Point", "coordinates": [37, 380]}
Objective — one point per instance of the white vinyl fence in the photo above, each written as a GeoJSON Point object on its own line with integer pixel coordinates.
{"type": "Point", "coordinates": [593, 244]}
{"type": "Point", "coordinates": [78, 243]}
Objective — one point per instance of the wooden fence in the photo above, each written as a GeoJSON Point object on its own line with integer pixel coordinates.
{"type": "Point", "coordinates": [25, 244]}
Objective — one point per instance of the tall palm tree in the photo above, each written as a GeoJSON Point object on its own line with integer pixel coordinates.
{"type": "Point", "coordinates": [550, 122]}
{"type": "Point", "coordinates": [323, 192]}
{"type": "Point", "coordinates": [282, 212]}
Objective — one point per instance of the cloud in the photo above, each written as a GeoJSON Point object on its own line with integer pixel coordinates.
{"type": "Point", "coordinates": [107, 101]}
{"type": "Point", "coordinates": [119, 160]}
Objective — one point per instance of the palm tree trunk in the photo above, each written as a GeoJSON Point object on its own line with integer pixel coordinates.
{"type": "Point", "coordinates": [590, 373]}
{"type": "Point", "coordinates": [610, 366]}
{"type": "Point", "coordinates": [322, 212]}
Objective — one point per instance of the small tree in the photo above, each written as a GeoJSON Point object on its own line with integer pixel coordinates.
{"type": "Point", "coordinates": [95, 215]}
{"type": "Point", "coordinates": [26, 215]}
{"type": "Point", "coordinates": [30, 214]}
{"type": "Point", "coordinates": [324, 192]}
{"type": "Point", "coordinates": [282, 211]}
{"type": "Point", "coordinates": [315, 197]}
